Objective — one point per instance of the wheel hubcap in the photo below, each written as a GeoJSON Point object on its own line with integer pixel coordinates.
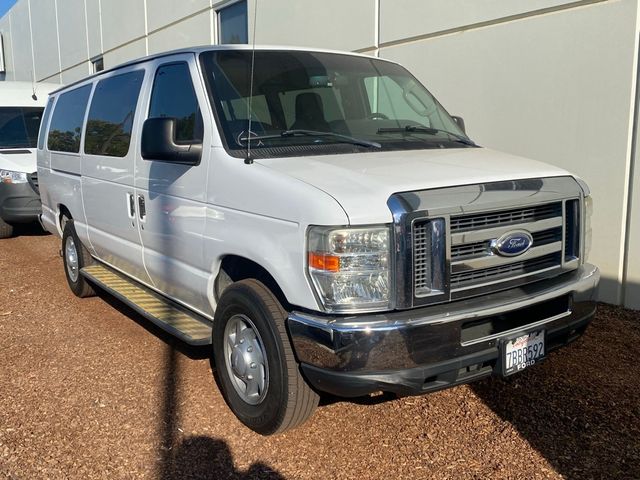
{"type": "Point", "coordinates": [245, 360]}
{"type": "Point", "coordinates": [71, 256]}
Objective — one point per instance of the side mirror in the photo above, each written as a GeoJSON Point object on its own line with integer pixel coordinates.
{"type": "Point", "coordinates": [159, 143]}
{"type": "Point", "coordinates": [460, 122]}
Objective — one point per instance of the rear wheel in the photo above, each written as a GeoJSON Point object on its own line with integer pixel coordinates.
{"type": "Point", "coordinates": [75, 257]}
{"type": "Point", "coordinates": [6, 230]}
{"type": "Point", "coordinates": [256, 369]}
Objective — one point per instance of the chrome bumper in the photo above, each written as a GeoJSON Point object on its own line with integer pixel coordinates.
{"type": "Point", "coordinates": [426, 342]}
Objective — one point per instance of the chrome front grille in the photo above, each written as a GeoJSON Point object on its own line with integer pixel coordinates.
{"type": "Point", "coordinates": [446, 240]}
{"type": "Point", "coordinates": [485, 268]}
{"type": "Point", "coordinates": [505, 217]}
{"type": "Point", "coordinates": [474, 265]}
{"type": "Point", "coordinates": [469, 250]}
{"type": "Point", "coordinates": [510, 270]}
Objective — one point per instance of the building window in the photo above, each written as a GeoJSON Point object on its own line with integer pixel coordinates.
{"type": "Point", "coordinates": [97, 64]}
{"type": "Point", "coordinates": [233, 24]}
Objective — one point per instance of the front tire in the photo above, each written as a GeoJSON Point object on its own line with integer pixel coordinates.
{"type": "Point", "coordinates": [256, 369]}
{"type": "Point", "coordinates": [6, 230]}
{"type": "Point", "coordinates": [75, 257]}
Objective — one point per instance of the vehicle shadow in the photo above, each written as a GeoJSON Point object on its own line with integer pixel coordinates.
{"type": "Point", "coordinates": [192, 352]}
{"type": "Point", "coordinates": [197, 457]}
{"type": "Point", "coordinates": [580, 408]}
{"type": "Point", "coordinates": [207, 458]}
{"type": "Point", "coordinates": [29, 230]}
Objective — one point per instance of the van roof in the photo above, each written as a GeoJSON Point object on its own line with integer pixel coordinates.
{"type": "Point", "coordinates": [19, 94]}
{"type": "Point", "coordinates": [207, 48]}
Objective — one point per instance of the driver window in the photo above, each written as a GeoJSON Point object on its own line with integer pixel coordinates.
{"type": "Point", "coordinates": [173, 97]}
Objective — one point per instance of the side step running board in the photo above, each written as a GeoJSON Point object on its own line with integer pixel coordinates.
{"type": "Point", "coordinates": [176, 320]}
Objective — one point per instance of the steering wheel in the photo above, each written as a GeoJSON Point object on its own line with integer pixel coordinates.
{"type": "Point", "coordinates": [377, 116]}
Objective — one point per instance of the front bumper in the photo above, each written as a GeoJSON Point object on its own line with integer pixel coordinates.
{"type": "Point", "coordinates": [19, 203]}
{"type": "Point", "coordinates": [427, 349]}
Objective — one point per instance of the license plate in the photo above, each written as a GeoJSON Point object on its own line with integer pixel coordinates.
{"type": "Point", "coordinates": [522, 352]}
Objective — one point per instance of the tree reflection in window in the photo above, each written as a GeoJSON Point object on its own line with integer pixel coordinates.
{"type": "Point", "coordinates": [173, 97]}
{"type": "Point", "coordinates": [66, 123]}
{"type": "Point", "coordinates": [111, 115]}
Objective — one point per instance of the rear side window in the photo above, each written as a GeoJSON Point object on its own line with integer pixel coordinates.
{"type": "Point", "coordinates": [111, 115]}
{"type": "Point", "coordinates": [173, 97]}
{"type": "Point", "coordinates": [43, 126]}
{"type": "Point", "coordinates": [66, 123]}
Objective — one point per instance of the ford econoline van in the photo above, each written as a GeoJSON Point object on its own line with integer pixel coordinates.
{"type": "Point", "coordinates": [318, 218]}
{"type": "Point", "coordinates": [21, 107]}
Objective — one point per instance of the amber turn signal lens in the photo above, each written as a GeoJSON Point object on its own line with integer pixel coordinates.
{"type": "Point", "coordinates": [322, 261]}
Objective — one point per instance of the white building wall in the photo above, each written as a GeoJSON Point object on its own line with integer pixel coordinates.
{"type": "Point", "coordinates": [44, 34]}
{"type": "Point", "coordinates": [339, 24]}
{"type": "Point", "coordinates": [76, 73]}
{"type": "Point", "coordinates": [553, 80]}
{"type": "Point", "coordinates": [161, 13]}
{"type": "Point", "coordinates": [405, 19]}
{"type": "Point", "coordinates": [72, 33]}
{"type": "Point", "coordinates": [94, 27]}
{"type": "Point", "coordinates": [194, 30]}
{"type": "Point", "coordinates": [21, 46]}
{"type": "Point", "coordinates": [5, 30]}
{"type": "Point", "coordinates": [123, 21]}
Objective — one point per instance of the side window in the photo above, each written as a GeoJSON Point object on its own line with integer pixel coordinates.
{"type": "Point", "coordinates": [66, 123]}
{"type": "Point", "coordinates": [173, 97]}
{"type": "Point", "coordinates": [43, 125]}
{"type": "Point", "coordinates": [111, 115]}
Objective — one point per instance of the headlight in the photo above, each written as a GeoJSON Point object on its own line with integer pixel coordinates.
{"type": "Point", "coordinates": [349, 267]}
{"type": "Point", "coordinates": [588, 211]}
{"type": "Point", "coordinates": [9, 176]}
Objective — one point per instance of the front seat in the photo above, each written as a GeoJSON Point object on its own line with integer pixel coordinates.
{"type": "Point", "coordinates": [310, 113]}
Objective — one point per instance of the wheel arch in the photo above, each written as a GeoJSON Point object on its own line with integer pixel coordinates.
{"type": "Point", "coordinates": [62, 212]}
{"type": "Point", "coordinates": [233, 268]}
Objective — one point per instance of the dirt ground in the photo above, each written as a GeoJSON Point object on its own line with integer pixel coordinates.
{"type": "Point", "coordinates": [89, 390]}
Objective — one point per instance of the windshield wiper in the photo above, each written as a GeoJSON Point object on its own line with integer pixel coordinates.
{"type": "Point", "coordinates": [314, 133]}
{"type": "Point", "coordinates": [427, 130]}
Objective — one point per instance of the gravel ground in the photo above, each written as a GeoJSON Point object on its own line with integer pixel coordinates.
{"type": "Point", "coordinates": [90, 390]}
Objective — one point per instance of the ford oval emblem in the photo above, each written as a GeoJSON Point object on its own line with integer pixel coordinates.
{"type": "Point", "coordinates": [512, 244]}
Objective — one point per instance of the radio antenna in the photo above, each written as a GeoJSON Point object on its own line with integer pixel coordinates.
{"type": "Point", "coordinates": [249, 160]}
{"type": "Point", "coordinates": [33, 86]}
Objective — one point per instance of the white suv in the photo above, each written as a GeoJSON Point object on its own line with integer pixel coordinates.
{"type": "Point", "coordinates": [316, 216]}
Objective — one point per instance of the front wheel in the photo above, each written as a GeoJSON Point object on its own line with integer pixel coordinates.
{"type": "Point", "coordinates": [257, 372]}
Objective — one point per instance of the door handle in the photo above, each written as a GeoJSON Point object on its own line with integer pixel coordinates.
{"type": "Point", "coordinates": [132, 205]}
{"type": "Point", "coordinates": [142, 210]}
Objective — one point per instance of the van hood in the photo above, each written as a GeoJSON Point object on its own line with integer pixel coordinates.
{"type": "Point", "coordinates": [363, 182]}
{"type": "Point", "coordinates": [18, 159]}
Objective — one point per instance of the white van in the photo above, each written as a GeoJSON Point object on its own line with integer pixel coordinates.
{"type": "Point", "coordinates": [316, 216]}
{"type": "Point", "coordinates": [21, 106]}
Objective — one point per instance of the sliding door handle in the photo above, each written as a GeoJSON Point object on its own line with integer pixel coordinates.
{"type": "Point", "coordinates": [131, 203]}
{"type": "Point", "coordinates": [142, 210]}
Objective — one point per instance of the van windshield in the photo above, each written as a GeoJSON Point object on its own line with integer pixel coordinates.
{"type": "Point", "coordinates": [310, 103]}
{"type": "Point", "coordinates": [19, 126]}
